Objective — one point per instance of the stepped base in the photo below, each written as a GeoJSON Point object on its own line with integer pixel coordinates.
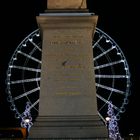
{"type": "Point", "coordinates": [89, 127]}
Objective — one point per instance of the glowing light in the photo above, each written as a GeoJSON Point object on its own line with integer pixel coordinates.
{"type": "Point", "coordinates": [30, 39]}
{"type": "Point", "coordinates": [9, 74]}
{"type": "Point", "coordinates": [107, 119]}
{"type": "Point", "coordinates": [112, 124]}
{"type": "Point", "coordinates": [24, 45]}
{"type": "Point", "coordinates": [131, 134]}
{"type": "Point", "coordinates": [26, 121]}
{"type": "Point", "coordinates": [107, 40]}
{"type": "Point", "coordinates": [126, 68]}
{"type": "Point", "coordinates": [122, 61]}
{"type": "Point", "coordinates": [15, 58]}
{"type": "Point", "coordinates": [37, 34]}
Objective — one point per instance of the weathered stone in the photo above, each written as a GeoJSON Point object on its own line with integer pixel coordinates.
{"type": "Point", "coordinates": [68, 105]}
{"type": "Point", "coordinates": [66, 4]}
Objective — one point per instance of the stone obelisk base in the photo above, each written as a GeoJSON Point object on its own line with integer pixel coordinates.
{"type": "Point", "coordinates": [82, 127]}
{"type": "Point", "coordinates": [67, 104]}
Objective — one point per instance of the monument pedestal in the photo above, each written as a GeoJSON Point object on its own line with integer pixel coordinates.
{"type": "Point", "coordinates": [82, 127]}
{"type": "Point", "coordinates": [68, 106]}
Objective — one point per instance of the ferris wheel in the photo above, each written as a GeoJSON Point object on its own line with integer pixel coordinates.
{"type": "Point", "coordinates": [111, 74]}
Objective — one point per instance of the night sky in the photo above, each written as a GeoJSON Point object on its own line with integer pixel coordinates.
{"type": "Point", "coordinates": [117, 19]}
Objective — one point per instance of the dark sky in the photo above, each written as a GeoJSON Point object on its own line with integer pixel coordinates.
{"type": "Point", "coordinates": [117, 19]}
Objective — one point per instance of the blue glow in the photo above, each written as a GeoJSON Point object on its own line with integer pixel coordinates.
{"type": "Point", "coordinates": [113, 124]}
{"type": "Point", "coordinates": [26, 121]}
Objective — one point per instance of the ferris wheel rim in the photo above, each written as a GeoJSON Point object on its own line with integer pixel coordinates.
{"type": "Point", "coordinates": [37, 31]}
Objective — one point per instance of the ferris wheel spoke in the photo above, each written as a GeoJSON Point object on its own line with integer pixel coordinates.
{"type": "Point", "coordinates": [25, 68]}
{"type": "Point", "coordinates": [107, 102]}
{"type": "Point", "coordinates": [111, 76]}
{"type": "Point", "coordinates": [31, 41]}
{"type": "Point", "coordinates": [101, 117]}
{"type": "Point", "coordinates": [108, 64]}
{"type": "Point", "coordinates": [96, 43]}
{"type": "Point", "coordinates": [26, 93]}
{"type": "Point", "coordinates": [111, 89]}
{"type": "Point", "coordinates": [25, 81]}
{"type": "Point", "coordinates": [32, 106]}
{"type": "Point", "coordinates": [102, 54]}
{"type": "Point", "coordinates": [30, 57]}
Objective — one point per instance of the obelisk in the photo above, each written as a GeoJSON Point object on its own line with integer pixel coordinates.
{"type": "Point", "coordinates": [68, 105]}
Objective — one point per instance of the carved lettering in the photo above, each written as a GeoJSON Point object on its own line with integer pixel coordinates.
{"type": "Point", "coordinates": [68, 93]}
{"type": "Point", "coordinates": [68, 43]}
{"type": "Point", "coordinates": [66, 40]}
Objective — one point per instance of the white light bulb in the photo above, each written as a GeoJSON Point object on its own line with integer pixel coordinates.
{"type": "Point", "coordinates": [107, 119]}
{"type": "Point", "coordinates": [27, 120]}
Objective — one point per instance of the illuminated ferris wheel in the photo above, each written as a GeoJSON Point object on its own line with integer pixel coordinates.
{"type": "Point", "coordinates": [111, 74]}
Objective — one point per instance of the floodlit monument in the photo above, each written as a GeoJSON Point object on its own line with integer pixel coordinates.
{"type": "Point", "coordinates": [67, 106]}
